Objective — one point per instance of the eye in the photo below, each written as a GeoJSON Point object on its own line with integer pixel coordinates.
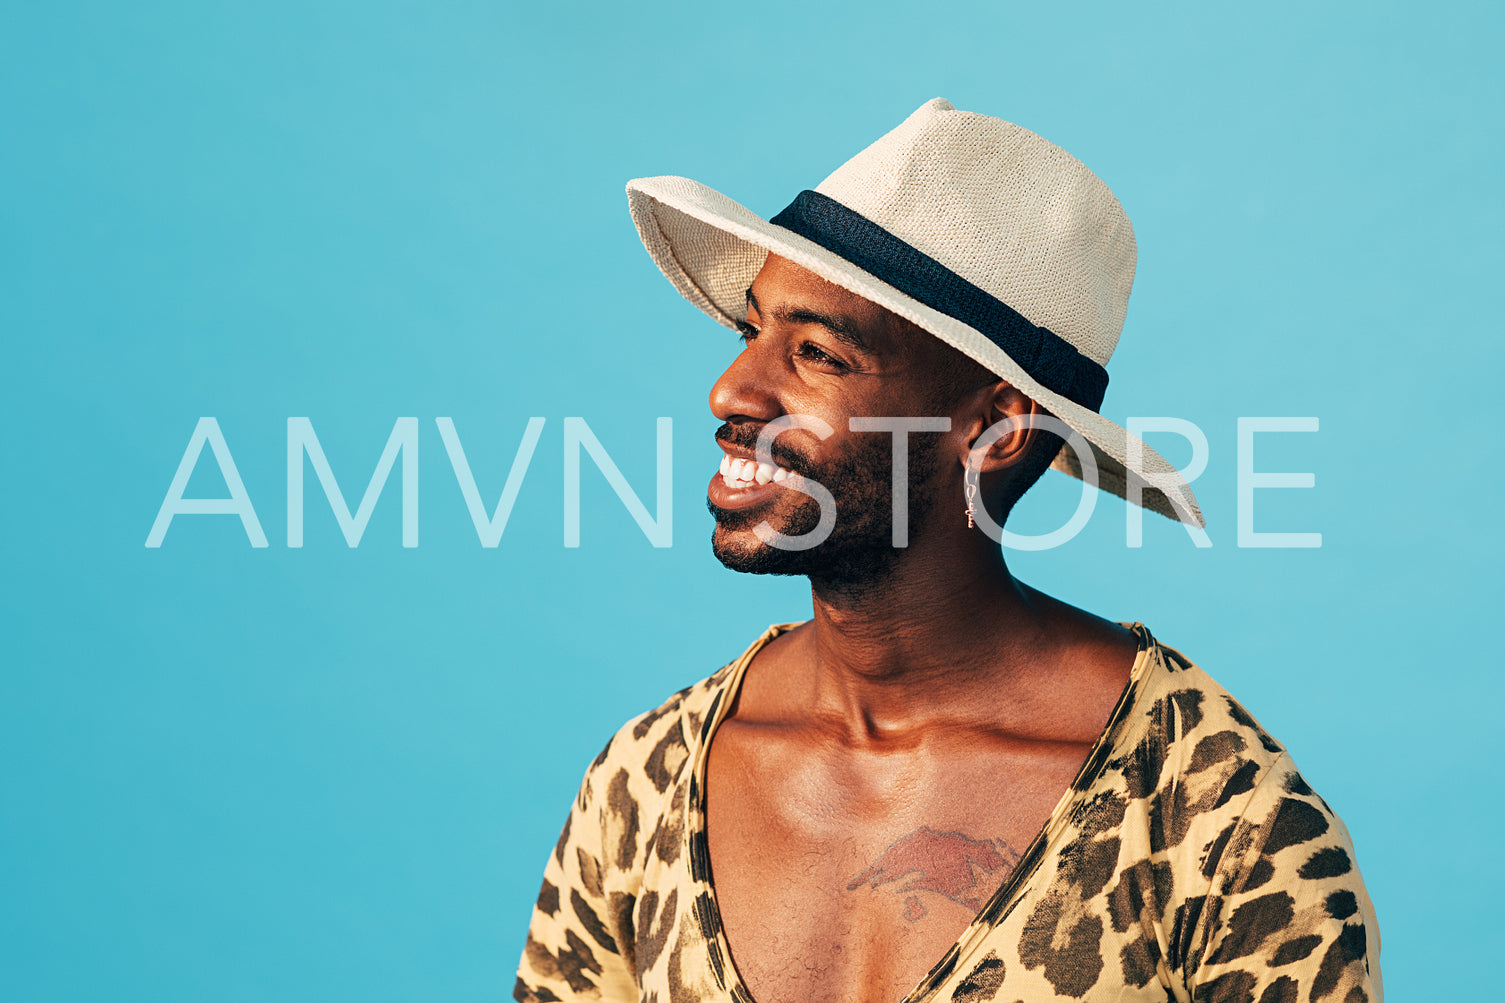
{"type": "Point", "coordinates": [812, 352]}
{"type": "Point", "coordinates": [746, 332]}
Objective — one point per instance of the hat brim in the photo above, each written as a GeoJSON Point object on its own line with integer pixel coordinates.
{"type": "Point", "coordinates": [711, 248]}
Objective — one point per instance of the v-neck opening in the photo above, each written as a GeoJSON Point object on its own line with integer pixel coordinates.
{"type": "Point", "coordinates": [992, 910]}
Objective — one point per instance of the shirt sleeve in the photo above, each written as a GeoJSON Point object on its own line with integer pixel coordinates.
{"type": "Point", "coordinates": [579, 944]}
{"type": "Point", "coordinates": [1286, 917]}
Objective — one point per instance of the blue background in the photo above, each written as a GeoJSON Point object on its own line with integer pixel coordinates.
{"type": "Point", "coordinates": [326, 773]}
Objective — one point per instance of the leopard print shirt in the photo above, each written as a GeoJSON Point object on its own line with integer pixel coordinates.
{"type": "Point", "coordinates": [1188, 861]}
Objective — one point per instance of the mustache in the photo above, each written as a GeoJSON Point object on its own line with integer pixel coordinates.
{"type": "Point", "coordinates": [746, 437]}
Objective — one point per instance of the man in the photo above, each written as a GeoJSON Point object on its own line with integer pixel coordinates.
{"type": "Point", "coordinates": [946, 785]}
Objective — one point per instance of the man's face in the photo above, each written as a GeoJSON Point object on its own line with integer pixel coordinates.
{"type": "Point", "coordinates": [813, 348]}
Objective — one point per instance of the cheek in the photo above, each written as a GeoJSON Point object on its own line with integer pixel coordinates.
{"type": "Point", "coordinates": [836, 402]}
{"type": "Point", "coordinates": [827, 411]}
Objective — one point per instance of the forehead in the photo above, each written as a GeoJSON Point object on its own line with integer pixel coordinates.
{"type": "Point", "coordinates": [783, 290]}
{"type": "Point", "coordinates": [782, 277]}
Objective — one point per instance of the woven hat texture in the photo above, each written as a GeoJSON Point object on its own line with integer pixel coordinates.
{"type": "Point", "coordinates": [995, 205]}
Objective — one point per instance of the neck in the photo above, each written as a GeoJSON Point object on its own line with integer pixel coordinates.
{"type": "Point", "coordinates": [938, 627]}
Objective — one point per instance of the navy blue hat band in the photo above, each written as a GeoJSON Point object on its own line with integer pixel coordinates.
{"type": "Point", "coordinates": [1052, 361]}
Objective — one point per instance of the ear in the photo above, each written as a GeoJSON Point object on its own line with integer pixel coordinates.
{"type": "Point", "coordinates": [998, 412]}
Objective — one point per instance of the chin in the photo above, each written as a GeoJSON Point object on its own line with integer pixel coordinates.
{"type": "Point", "coordinates": [842, 564]}
{"type": "Point", "coordinates": [741, 550]}
{"type": "Point", "coordinates": [736, 544]}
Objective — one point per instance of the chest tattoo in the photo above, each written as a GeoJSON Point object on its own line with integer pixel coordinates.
{"type": "Point", "coordinates": [965, 870]}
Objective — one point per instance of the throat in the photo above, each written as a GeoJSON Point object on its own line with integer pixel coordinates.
{"type": "Point", "coordinates": [914, 636]}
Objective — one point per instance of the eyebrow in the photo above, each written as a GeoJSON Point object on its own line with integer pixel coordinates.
{"type": "Point", "coordinates": [842, 327]}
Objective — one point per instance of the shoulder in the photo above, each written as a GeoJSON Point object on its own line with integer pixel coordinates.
{"type": "Point", "coordinates": [649, 759]}
{"type": "Point", "coordinates": [1184, 723]}
{"type": "Point", "coordinates": [659, 742]}
{"type": "Point", "coordinates": [1283, 905]}
{"type": "Point", "coordinates": [655, 746]}
{"type": "Point", "coordinates": [1216, 793]}
{"type": "Point", "coordinates": [1217, 824]}
{"type": "Point", "coordinates": [1178, 765]}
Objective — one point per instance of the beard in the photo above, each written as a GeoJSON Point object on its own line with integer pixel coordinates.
{"type": "Point", "coordinates": [859, 551]}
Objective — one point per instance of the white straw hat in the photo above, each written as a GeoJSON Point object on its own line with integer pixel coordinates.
{"type": "Point", "coordinates": [999, 243]}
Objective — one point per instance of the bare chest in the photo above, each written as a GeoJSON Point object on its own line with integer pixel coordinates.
{"type": "Point", "coordinates": [847, 877]}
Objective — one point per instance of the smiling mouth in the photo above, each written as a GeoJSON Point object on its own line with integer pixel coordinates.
{"type": "Point", "coordinates": [740, 474]}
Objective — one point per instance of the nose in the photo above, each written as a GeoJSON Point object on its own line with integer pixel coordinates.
{"type": "Point", "coordinates": [746, 390]}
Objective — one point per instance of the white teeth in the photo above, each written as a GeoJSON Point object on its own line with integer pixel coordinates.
{"type": "Point", "coordinates": [736, 472]}
{"type": "Point", "coordinates": [742, 474]}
